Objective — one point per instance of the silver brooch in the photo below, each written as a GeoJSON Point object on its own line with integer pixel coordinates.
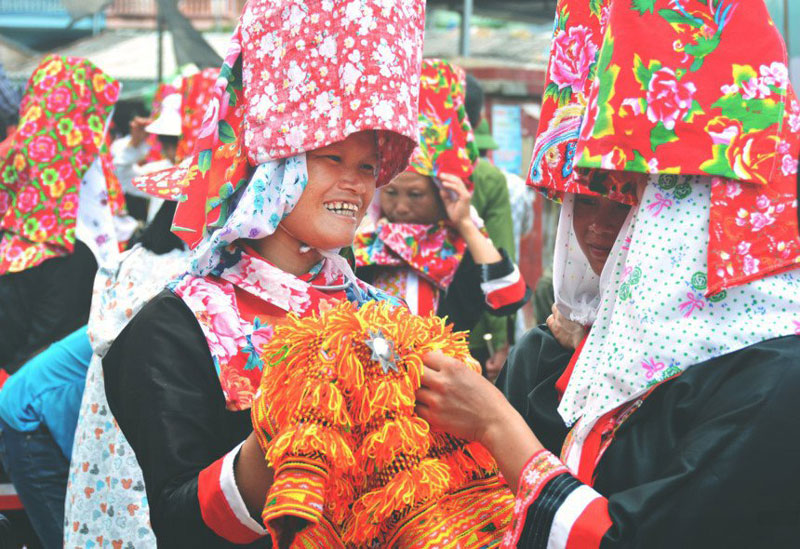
{"type": "Point", "coordinates": [383, 351]}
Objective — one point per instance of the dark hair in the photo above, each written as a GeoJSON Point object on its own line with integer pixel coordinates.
{"type": "Point", "coordinates": [157, 237]}
{"type": "Point", "coordinates": [168, 140]}
{"type": "Point", "coordinates": [124, 112]}
{"type": "Point", "coordinates": [473, 100]}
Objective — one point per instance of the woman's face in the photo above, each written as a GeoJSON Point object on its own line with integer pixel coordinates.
{"type": "Point", "coordinates": [596, 222]}
{"type": "Point", "coordinates": [411, 198]}
{"type": "Point", "coordinates": [341, 182]}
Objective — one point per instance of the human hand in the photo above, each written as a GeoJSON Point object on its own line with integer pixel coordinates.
{"type": "Point", "coordinates": [568, 333]}
{"type": "Point", "coordinates": [495, 362]}
{"type": "Point", "coordinates": [455, 197]}
{"type": "Point", "coordinates": [458, 400]}
{"type": "Point", "coordinates": [137, 130]}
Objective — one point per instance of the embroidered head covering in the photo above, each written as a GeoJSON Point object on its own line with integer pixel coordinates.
{"type": "Point", "coordinates": [446, 141]}
{"type": "Point", "coordinates": [335, 417]}
{"type": "Point", "coordinates": [61, 134]}
{"type": "Point", "coordinates": [299, 76]}
{"type": "Point", "coordinates": [700, 100]}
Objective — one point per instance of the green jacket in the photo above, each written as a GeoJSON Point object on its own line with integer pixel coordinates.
{"type": "Point", "coordinates": [490, 198]}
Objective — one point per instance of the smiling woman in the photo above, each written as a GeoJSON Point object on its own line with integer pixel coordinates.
{"type": "Point", "coordinates": [269, 201]}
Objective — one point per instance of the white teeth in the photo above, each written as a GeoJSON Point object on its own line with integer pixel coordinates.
{"type": "Point", "coordinates": [342, 208]}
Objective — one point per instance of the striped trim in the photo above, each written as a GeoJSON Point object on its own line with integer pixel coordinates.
{"type": "Point", "coordinates": [542, 511]}
{"type": "Point", "coordinates": [541, 468]}
{"type": "Point", "coordinates": [221, 504]}
{"type": "Point", "coordinates": [567, 515]}
{"type": "Point", "coordinates": [505, 291]}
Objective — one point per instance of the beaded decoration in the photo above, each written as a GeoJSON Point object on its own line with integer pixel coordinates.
{"type": "Point", "coordinates": [335, 417]}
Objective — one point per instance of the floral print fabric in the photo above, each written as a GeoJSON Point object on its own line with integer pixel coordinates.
{"type": "Point", "coordinates": [238, 304]}
{"type": "Point", "coordinates": [446, 141]}
{"type": "Point", "coordinates": [196, 93]}
{"type": "Point", "coordinates": [655, 318]}
{"type": "Point", "coordinates": [106, 505]}
{"type": "Point", "coordinates": [299, 76]}
{"type": "Point", "coordinates": [63, 118]}
{"type": "Point", "coordinates": [433, 252]}
{"type": "Point", "coordinates": [702, 99]}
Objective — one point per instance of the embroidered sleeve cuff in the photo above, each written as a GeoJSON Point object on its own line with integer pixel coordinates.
{"type": "Point", "coordinates": [555, 510]}
{"type": "Point", "coordinates": [221, 504]}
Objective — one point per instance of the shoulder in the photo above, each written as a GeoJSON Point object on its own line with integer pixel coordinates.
{"type": "Point", "coordinates": [536, 357]}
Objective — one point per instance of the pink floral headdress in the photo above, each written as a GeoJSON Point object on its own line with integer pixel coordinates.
{"type": "Point", "coordinates": [300, 75]}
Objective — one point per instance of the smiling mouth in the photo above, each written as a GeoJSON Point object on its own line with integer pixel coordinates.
{"type": "Point", "coordinates": [345, 209]}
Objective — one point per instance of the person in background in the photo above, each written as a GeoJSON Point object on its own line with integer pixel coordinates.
{"type": "Point", "coordinates": [426, 247]}
{"type": "Point", "coordinates": [131, 150]}
{"type": "Point", "coordinates": [490, 338]}
{"type": "Point", "coordinates": [59, 202]}
{"type": "Point", "coordinates": [57, 224]}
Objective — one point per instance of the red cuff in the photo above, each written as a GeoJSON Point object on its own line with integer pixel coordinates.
{"type": "Point", "coordinates": [221, 504]}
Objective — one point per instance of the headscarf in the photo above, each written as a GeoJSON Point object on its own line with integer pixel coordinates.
{"type": "Point", "coordinates": [60, 139]}
{"type": "Point", "coordinates": [703, 265]}
{"type": "Point", "coordinates": [421, 260]}
{"type": "Point", "coordinates": [446, 141]}
{"type": "Point", "coordinates": [297, 76]}
{"type": "Point", "coordinates": [196, 91]}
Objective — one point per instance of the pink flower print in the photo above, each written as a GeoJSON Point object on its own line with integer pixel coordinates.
{"type": "Point", "coordinates": [210, 120]}
{"type": "Point", "coordinates": [794, 122]}
{"type": "Point", "coordinates": [574, 52]}
{"type": "Point", "coordinates": [775, 75]}
{"type": "Point", "coordinates": [59, 100]}
{"type": "Point", "coordinates": [762, 202]}
{"type": "Point", "coordinates": [651, 367]}
{"type": "Point", "coordinates": [42, 149]}
{"type": "Point", "coordinates": [27, 199]}
{"type": "Point", "coordinates": [789, 165]}
{"type": "Point", "coordinates": [797, 327]}
{"type": "Point", "coordinates": [760, 220]}
{"type": "Point", "coordinates": [668, 99]}
{"type": "Point", "coordinates": [755, 88]}
{"type": "Point", "coordinates": [733, 189]}
{"type": "Point", "coordinates": [660, 203]}
{"type": "Point", "coordinates": [694, 302]}
{"type": "Point", "coordinates": [729, 89]}
{"type": "Point", "coordinates": [750, 265]}
{"type": "Point", "coordinates": [743, 247]}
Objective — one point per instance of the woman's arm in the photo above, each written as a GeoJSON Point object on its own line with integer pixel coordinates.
{"type": "Point", "coordinates": [456, 200]}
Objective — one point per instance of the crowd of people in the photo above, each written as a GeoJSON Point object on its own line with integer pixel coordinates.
{"type": "Point", "coordinates": [162, 273]}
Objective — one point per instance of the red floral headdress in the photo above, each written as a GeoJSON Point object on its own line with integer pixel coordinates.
{"type": "Point", "coordinates": [446, 141]}
{"type": "Point", "coordinates": [63, 120]}
{"type": "Point", "coordinates": [300, 75]}
{"type": "Point", "coordinates": [701, 99]}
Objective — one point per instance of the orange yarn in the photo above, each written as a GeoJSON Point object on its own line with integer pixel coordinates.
{"type": "Point", "coordinates": [337, 396]}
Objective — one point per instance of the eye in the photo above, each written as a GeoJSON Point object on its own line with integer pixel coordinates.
{"type": "Point", "coordinates": [333, 157]}
{"type": "Point", "coordinates": [415, 195]}
{"type": "Point", "coordinates": [390, 192]}
{"type": "Point", "coordinates": [368, 167]}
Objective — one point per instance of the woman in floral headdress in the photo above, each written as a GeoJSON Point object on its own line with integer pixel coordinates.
{"type": "Point", "coordinates": [58, 199]}
{"type": "Point", "coordinates": [673, 419]}
{"type": "Point", "coordinates": [316, 105]}
{"type": "Point", "coordinates": [428, 246]}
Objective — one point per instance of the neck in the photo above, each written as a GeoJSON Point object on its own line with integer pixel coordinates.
{"type": "Point", "coordinates": [283, 250]}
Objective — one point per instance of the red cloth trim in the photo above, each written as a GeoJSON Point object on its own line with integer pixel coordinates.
{"type": "Point", "coordinates": [427, 297]}
{"type": "Point", "coordinates": [3, 377]}
{"type": "Point", "coordinates": [509, 295]}
{"type": "Point", "coordinates": [588, 530]}
{"type": "Point", "coordinates": [561, 383]}
{"type": "Point", "coordinates": [217, 513]}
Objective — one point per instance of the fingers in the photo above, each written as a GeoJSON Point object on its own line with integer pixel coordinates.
{"type": "Point", "coordinates": [455, 184]}
{"type": "Point", "coordinates": [436, 360]}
